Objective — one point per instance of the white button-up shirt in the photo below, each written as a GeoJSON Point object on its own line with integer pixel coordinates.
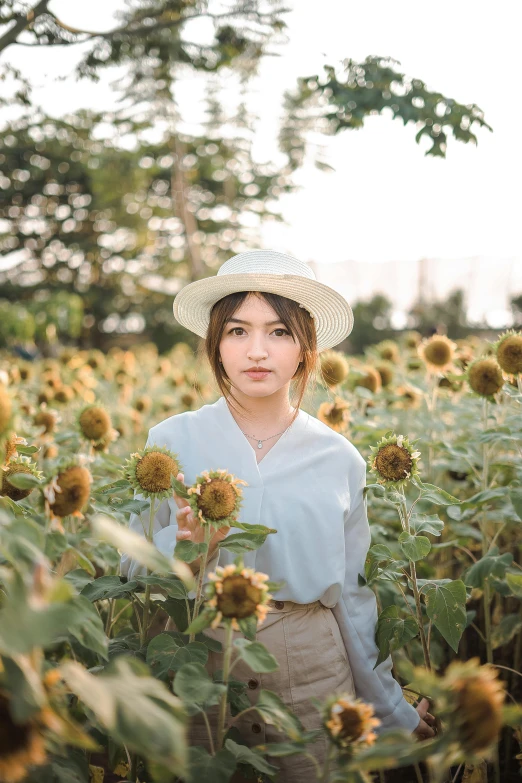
{"type": "Point", "coordinates": [309, 487]}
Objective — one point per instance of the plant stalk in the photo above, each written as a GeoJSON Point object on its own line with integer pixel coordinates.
{"type": "Point", "coordinates": [146, 603]}
{"type": "Point", "coordinates": [226, 672]}
{"type": "Point", "coordinates": [201, 577]}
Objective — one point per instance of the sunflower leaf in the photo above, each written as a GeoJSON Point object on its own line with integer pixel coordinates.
{"type": "Point", "coordinates": [179, 488]}
{"type": "Point", "coordinates": [273, 710]}
{"type": "Point", "coordinates": [201, 622]}
{"type": "Point", "coordinates": [414, 547]}
{"type": "Point", "coordinates": [188, 551]}
{"type": "Point", "coordinates": [24, 481]}
{"type": "Point", "coordinates": [245, 755]}
{"type": "Point", "coordinates": [243, 542]}
{"type": "Point", "coordinates": [393, 632]}
{"type": "Point", "coordinates": [446, 607]}
{"type": "Point", "coordinates": [248, 626]}
{"type": "Point", "coordinates": [256, 656]}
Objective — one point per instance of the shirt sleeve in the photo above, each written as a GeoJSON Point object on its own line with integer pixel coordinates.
{"type": "Point", "coordinates": [164, 535]}
{"type": "Point", "coordinates": [356, 614]}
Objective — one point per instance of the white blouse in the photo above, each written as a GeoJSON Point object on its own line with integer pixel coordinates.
{"type": "Point", "coordinates": [309, 487]}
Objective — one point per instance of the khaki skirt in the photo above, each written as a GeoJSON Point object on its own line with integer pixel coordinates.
{"type": "Point", "coordinates": [306, 641]}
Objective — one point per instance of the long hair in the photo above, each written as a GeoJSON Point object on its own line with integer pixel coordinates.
{"type": "Point", "coordinates": [296, 319]}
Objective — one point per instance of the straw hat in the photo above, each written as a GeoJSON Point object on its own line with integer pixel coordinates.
{"type": "Point", "coordinates": [273, 272]}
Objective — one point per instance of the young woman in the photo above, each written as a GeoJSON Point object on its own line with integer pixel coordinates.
{"type": "Point", "coordinates": [264, 311]}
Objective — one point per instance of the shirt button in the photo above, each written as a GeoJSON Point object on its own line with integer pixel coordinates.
{"type": "Point", "coordinates": [253, 683]}
{"type": "Point", "coordinates": [279, 604]}
{"type": "Point", "coordinates": [256, 728]}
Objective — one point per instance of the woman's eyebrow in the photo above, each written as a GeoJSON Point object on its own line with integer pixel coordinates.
{"type": "Point", "coordinates": [239, 321]}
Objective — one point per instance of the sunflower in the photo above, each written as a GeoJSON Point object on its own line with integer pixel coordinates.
{"type": "Point", "coordinates": [437, 352]}
{"type": "Point", "coordinates": [188, 399]}
{"type": "Point", "coordinates": [68, 490]}
{"type": "Point", "coordinates": [388, 350]}
{"type": "Point", "coordinates": [348, 720]}
{"type": "Point", "coordinates": [370, 378]}
{"type": "Point", "coordinates": [335, 414]}
{"type": "Point", "coordinates": [150, 471]}
{"type": "Point", "coordinates": [478, 697]}
{"type": "Point", "coordinates": [394, 460]}
{"type": "Point", "coordinates": [386, 371]}
{"type": "Point", "coordinates": [95, 425]}
{"type": "Point", "coordinates": [13, 466]}
{"type": "Point", "coordinates": [409, 396]}
{"type": "Point", "coordinates": [46, 418]}
{"type": "Point", "coordinates": [508, 349]}
{"type": "Point", "coordinates": [216, 497]}
{"type": "Point", "coordinates": [412, 339]}
{"type": "Point", "coordinates": [334, 367]}
{"type": "Point", "coordinates": [236, 593]}
{"type": "Point", "coordinates": [21, 744]}
{"type": "Point", "coordinates": [485, 377]}
{"type": "Point", "coordinates": [143, 404]}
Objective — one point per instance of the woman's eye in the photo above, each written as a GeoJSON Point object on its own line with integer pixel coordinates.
{"type": "Point", "coordinates": [240, 329]}
{"type": "Point", "coordinates": [282, 330]}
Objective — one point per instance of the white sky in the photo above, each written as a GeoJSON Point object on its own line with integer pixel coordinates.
{"type": "Point", "coordinates": [385, 201]}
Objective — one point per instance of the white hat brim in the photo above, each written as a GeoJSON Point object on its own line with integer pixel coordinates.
{"type": "Point", "coordinates": [332, 314]}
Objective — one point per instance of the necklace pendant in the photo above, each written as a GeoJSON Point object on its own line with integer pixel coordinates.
{"type": "Point", "coordinates": [259, 445]}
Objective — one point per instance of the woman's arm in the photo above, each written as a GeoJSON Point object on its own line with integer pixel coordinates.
{"type": "Point", "coordinates": [356, 614]}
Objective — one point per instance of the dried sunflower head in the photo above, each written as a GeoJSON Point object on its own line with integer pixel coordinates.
{"type": "Point", "coordinates": [410, 396]}
{"type": "Point", "coordinates": [236, 593]}
{"type": "Point", "coordinates": [386, 371]}
{"type": "Point", "coordinates": [348, 721]}
{"type": "Point", "coordinates": [216, 497]}
{"type": "Point", "coordinates": [21, 744]}
{"type": "Point", "coordinates": [150, 471]}
{"type": "Point", "coordinates": [335, 414]}
{"type": "Point", "coordinates": [13, 466]}
{"type": "Point", "coordinates": [334, 367]}
{"type": "Point", "coordinates": [508, 350]}
{"type": "Point", "coordinates": [394, 460]}
{"type": "Point", "coordinates": [437, 352]}
{"type": "Point", "coordinates": [477, 697]}
{"type": "Point", "coordinates": [485, 377]}
{"type": "Point", "coordinates": [47, 418]}
{"type": "Point", "coordinates": [68, 490]}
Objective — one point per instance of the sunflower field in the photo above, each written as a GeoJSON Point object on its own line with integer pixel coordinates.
{"type": "Point", "coordinates": [100, 676]}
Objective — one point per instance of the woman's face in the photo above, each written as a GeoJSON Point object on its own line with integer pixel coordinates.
{"type": "Point", "coordinates": [254, 337]}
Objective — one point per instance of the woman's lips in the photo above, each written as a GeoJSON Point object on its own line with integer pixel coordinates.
{"type": "Point", "coordinates": [258, 376]}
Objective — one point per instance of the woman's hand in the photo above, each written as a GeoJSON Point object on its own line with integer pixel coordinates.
{"type": "Point", "coordinates": [427, 720]}
{"type": "Point", "coordinates": [190, 529]}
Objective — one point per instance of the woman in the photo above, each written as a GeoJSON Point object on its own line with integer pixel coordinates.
{"type": "Point", "coordinates": [265, 310]}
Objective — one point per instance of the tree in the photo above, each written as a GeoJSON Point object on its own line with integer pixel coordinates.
{"type": "Point", "coordinates": [372, 321]}
{"type": "Point", "coordinates": [449, 315]}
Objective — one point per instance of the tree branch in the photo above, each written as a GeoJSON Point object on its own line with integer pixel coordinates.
{"type": "Point", "coordinates": [22, 23]}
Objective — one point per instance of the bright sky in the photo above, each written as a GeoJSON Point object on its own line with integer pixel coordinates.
{"type": "Point", "coordinates": [385, 201]}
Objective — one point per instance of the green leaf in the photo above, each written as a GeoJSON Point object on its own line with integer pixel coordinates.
{"type": "Point", "coordinates": [414, 547]}
{"type": "Point", "coordinates": [377, 488]}
{"type": "Point", "coordinates": [165, 656]}
{"type": "Point", "coordinates": [188, 551]}
{"type": "Point", "coordinates": [508, 627]}
{"type": "Point", "coordinates": [173, 587]}
{"type": "Point", "coordinates": [114, 486]}
{"type": "Point", "coordinates": [256, 656]}
{"type": "Point", "coordinates": [27, 450]}
{"type": "Point", "coordinates": [244, 755]}
{"type": "Point", "coordinates": [492, 564]}
{"type": "Point", "coordinates": [151, 723]}
{"type": "Point", "coordinates": [446, 607]}
{"type": "Point", "coordinates": [242, 542]}
{"type": "Point", "coordinates": [248, 626]}
{"type": "Point", "coordinates": [194, 686]}
{"type": "Point", "coordinates": [108, 587]}
{"type": "Point", "coordinates": [437, 495]}
{"type": "Point", "coordinates": [516, 498]}
{"type": "Point", "coordinates": [86, 626]}
{"type": "Point", "coordinates": [202, 621]}
{"type": "Point", "coordinates": [24, 481]}
{"type": "Point", "coordinates": [273, 710]}
{"type": "Point", "coordinates": [179, 488]}
{"type": "Point", "coordinates": [515, 583]}
{"type": "Point", "coordinates": [204, 768]}
{"type": "Point", "coordinates": [262, 530]}
{"type": "Point", "coordinates": [78, 578]}
{"type": "Point", "coordinates": [424, 523]}
{"type": "Point", "coordinates": [393, 632]}
{"type": "Point", "coordinates": [282, 749]}
{"type": "Point", "coordinates": [377, 554]}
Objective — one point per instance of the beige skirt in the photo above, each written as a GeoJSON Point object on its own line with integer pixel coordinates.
{"type": "Point", "coordinates": [306, 641]}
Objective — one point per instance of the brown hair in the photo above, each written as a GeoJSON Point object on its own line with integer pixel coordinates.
{"type": "Point", "coordinates": [296, 319]}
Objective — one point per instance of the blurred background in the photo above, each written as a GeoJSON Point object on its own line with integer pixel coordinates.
{"type": "Point", "coordinates": [144, 142]}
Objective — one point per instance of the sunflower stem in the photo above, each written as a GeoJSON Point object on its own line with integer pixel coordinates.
{"type": "Point", "coordinates": [146, 602]}
{"type": "Point", "coordinates": [485, 542]}
{"type": "Point", "coordinates": [226, 672]}
{"type": "Point", "coordinates": [201, 576]}
{"type": "Point", "coordinates": [413, 577]}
